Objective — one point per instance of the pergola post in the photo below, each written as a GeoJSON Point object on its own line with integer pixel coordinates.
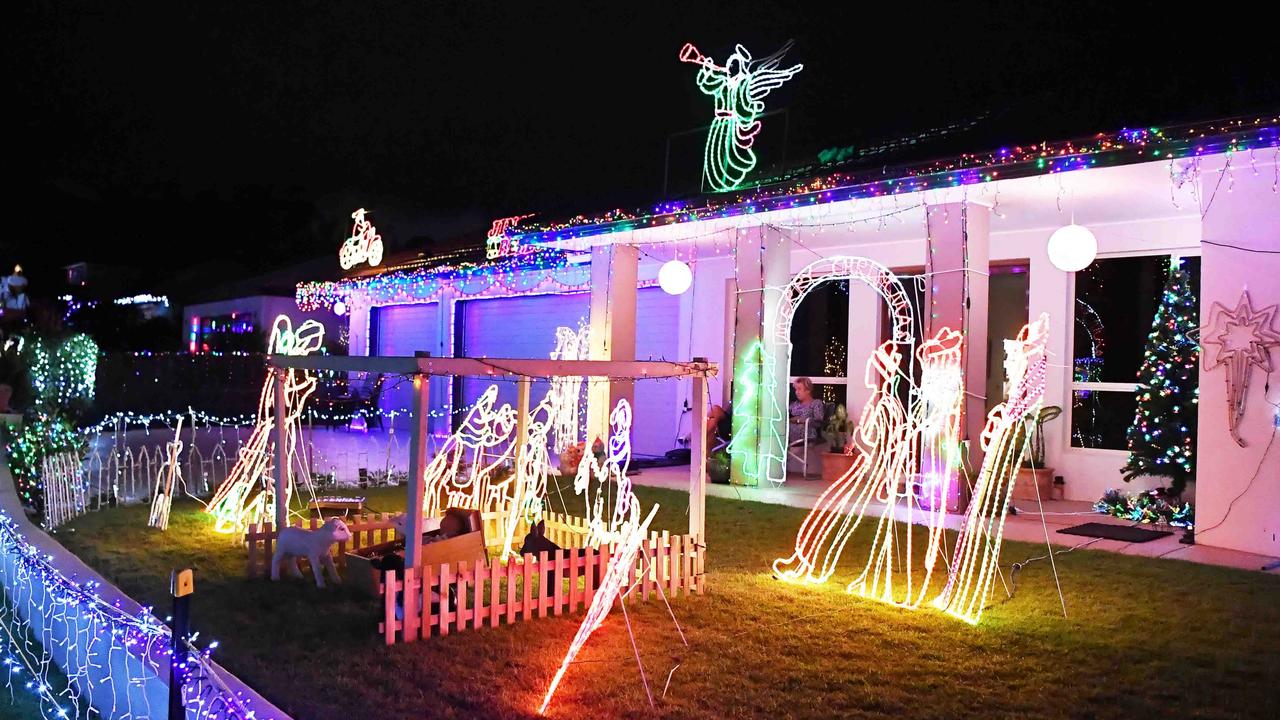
{"type": "Point", "coordinates": [417, 469]}
{"type": "Point", "coordinates": [282, 450]}
{"type": "Point", "coordinates": [698, 461]}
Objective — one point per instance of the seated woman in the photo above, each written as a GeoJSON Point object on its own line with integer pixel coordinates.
{"type": "Point", "coordinates": [805, 407]}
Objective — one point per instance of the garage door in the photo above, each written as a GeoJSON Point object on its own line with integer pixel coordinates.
{"type": "Point", "coordinates": [525, 327]}
{"type": "Point", "coordinates": [402, 330]}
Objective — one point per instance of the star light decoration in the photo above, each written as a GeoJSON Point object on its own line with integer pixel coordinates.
{"type": "Point", "coordinates": [612, 520]}
{"type": "Point", "coordinates": [1241, 339]}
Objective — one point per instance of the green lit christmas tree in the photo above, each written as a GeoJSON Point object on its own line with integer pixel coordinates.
{"type": "Point", "coordinates": [1162, 438]}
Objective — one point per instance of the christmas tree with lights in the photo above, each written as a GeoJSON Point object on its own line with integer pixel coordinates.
{"type": "Point", "coordinates": [1162, 438]}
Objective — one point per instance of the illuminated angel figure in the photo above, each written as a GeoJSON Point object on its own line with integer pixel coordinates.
{"type": "Point", "coordinates": [739, 88]}
{"type": "Point", "coordinates": [974, 565]}
{"type": "Point", "coordinates": [883, 434]}
{"type": "Point", "coordinates": [570, 345]}
{"type": "Point", "coordinates": [247, 495]}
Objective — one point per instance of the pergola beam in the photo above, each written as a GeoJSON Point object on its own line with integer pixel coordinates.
{"type": "Point", "coordinates": [496, 367]}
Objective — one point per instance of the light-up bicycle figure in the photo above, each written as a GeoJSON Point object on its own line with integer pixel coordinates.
{"type": "Point", "coordinates": [365, 244]}
{"type": "Point", "coordinates": [739, 88]}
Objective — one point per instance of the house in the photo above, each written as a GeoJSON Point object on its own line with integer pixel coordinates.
{"type": "Point", "coordinates": [968, 238]}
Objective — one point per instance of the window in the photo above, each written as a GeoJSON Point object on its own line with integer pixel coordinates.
{"type": "Point", "coordinates": [1115, 303]}
{"type": "Point", "coordinates": [235, 332]}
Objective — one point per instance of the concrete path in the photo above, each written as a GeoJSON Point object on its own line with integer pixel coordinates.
{"type": "Point", "coordinates": [1026, 526]}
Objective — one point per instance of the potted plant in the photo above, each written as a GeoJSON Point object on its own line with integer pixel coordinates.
{"type": "Point", "coordinates": [837, 432]}
{"type": "Point", "coordinates": [1034, 479]}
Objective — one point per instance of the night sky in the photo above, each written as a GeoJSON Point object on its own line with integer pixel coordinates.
{"type": "Point", "coordinates": [247, 132]}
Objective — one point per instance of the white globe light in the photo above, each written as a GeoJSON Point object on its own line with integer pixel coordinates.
{"type": "Point", "coordinates": [340, 308]}
{"type": "Point", "coordinates": [1072, 248]}
{"type": "Point", "coordinates": [675, 277]}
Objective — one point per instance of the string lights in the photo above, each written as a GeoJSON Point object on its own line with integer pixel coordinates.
{"type": "Point", "coordinates": [801, 187]}
{"type": "Point", "coordinates": [1162, 437]}
{"type": "Point", "coordinates": [739, 88]}
{"type": "Point", "coordinates": [108, 651]}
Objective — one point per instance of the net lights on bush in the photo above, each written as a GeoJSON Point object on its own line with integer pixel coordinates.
{"type": "Point", "coordinates": [739, 88]}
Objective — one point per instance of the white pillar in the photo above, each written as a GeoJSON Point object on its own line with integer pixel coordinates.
{"type": "Point", "coordinates": [613, 330]}
{"type": "Point", "coordinates": [958, 251]}
{"type": "Point", "coordinates": [417, 469]}
{"type": "Point", "coordinates": [763, 268]}
{"type": "Point", "coordinates": [282, 450]}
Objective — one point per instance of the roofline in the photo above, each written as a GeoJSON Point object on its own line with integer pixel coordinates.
{"type": "Point", "coordinates": [1124, 147]}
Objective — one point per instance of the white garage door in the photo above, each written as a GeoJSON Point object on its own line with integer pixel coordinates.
{"type": "Point", "coordinates": [525, 327]}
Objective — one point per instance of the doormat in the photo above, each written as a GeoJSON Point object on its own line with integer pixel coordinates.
{"type": "Point", "coordinates": [1123, 533]}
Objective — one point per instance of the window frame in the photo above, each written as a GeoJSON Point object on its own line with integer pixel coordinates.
{"type": "Point", "coordinates": [1074, 386]}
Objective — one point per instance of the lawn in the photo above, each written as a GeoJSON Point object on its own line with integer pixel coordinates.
{"type": "Point", "coordinates": [1145, 638]}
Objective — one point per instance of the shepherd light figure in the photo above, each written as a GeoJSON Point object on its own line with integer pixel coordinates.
{"type": "Point", "coordinates": [739, 88]}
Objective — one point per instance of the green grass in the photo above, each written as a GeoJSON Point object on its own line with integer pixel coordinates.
{"type": "Point", "coordinates": [1145, 638]}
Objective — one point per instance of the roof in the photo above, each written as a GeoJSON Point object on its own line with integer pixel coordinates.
{"type": "Point", "coordinates": [834, 176]}
{"type": "Point", "coordinates": [845, 177]}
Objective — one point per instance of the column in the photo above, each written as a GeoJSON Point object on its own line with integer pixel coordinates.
{"type": "Point", "coordinates": [613, 330]}
{"type": "Point", "coordinates": [958, 256]}
{"type": "Point", "coordinates": [760, 365]}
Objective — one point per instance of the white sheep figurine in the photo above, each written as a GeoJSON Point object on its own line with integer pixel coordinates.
{"type": "Point", "coordinates": [294, 542]}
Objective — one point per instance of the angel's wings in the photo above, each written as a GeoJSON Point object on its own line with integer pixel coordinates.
{"type": "Point", "coordinates": [766, 75]}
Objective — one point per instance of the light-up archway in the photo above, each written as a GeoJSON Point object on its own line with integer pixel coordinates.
{"type": "Point", "coordinates": [761, 450]}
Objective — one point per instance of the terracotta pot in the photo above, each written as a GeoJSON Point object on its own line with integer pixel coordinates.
{"type": "Point", "coordinates": [835, 465]}
{"type": "Point", "coordinates": [1024, 485]}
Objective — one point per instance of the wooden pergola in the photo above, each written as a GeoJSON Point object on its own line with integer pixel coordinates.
{"type": "Point", "coordinates": [524, 371]}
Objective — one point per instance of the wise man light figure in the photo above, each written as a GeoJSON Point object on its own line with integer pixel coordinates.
{"type": "Point", "coordinates": [739, 87]}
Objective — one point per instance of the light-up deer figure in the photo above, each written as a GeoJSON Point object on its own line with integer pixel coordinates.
{"type": "Point", "coordinates": [1004, 439]}
{"type": "Point", "coordinates": [739, 88]}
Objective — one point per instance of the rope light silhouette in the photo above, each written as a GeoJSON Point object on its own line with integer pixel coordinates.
{"type": "Point", "coordinates": [1004, 440]}
{"type": "Point", "coordinates": [247, 496]}
{"type": "Point", "coordinates": [739, 88]}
